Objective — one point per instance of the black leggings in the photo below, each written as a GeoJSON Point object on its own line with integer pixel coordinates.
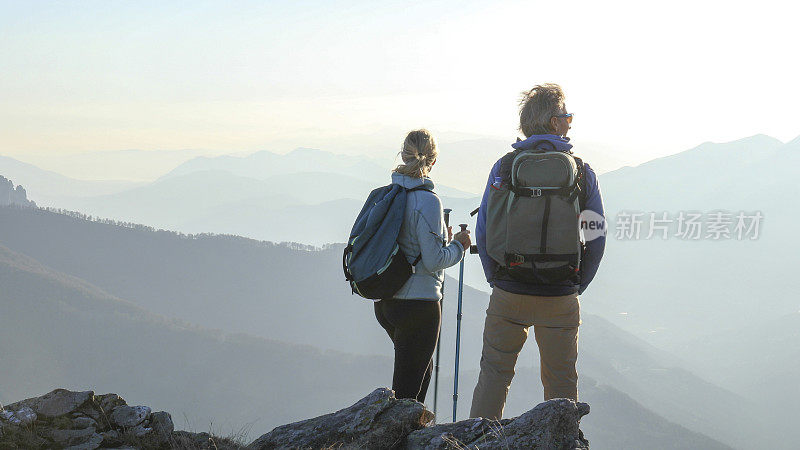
{"type": "Point", "coordinates": [413, 327]}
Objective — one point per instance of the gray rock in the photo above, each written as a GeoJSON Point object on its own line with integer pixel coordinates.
{"type": "Point", "coordinates": [162, 425]}
{"type": "Point", "coordinates": [55, 403]}
{"type": "Point", "coordinates": [377, 421]}
{"type": "Point", "coordinates": [70, 438]}
{"type": "Point", "coordinates": [552, 424]}
{"type": "Point", "coordinates": [83, 422]}
{"type": "Point", "coordinates": [140, 430]}
{"type": "Point", "coordinates": [6, 415]}
{"type": "Point", "coordinates": [25, 416]}
{"type": "Point", "coordinates": [107, 402]}
{"type": "Point", "coordinates": [94, 442]}
{"type": "Point", "coordinates": [22, 417]}
{"type": "Point", "coordinates": [129, 416]}
{"type": "Point", "coordinates": [111, 437]}
{"type": "Point", "coordinates": [449, 435]}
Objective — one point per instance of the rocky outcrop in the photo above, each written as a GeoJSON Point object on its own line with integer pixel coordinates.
{"type": "Point", "coordinates": [82, 420]}
{"type": "Point", "coordinates": [10, 195]}
{"type": "Point", "coordinates": [380, 421]}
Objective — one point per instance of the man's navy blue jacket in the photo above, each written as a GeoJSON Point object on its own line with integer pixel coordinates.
{"type": "Point", "coordinates": [594, 248]}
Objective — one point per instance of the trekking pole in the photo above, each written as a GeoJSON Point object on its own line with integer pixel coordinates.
{"type": "Point", "coordinates": [458, 327]}
{"type": "Point", "coordinates": [447, 212]}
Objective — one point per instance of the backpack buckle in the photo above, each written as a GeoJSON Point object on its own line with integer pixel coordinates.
{"type": "Point", "coordinates": [514, 259]}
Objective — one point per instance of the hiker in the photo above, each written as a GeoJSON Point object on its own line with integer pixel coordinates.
{"type": "Point", "coordinates": [535, 290]}
{"type": "Point", "coordinates": [412, 317]}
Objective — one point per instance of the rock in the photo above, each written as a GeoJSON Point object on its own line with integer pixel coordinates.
{"type": "Point", "coordinates": [93, 443]}
{"type": "Point", "coordinates": [447, 435]}
{"type": "Point", "coordinates": [140, 430]}
{"type": "Point", "coordinates": [552, 424]}
{"type": "Point", "coordinates": [107, 402]}
{"type": "Point", "coordinates": [83, 422]}
{"type": "Point", "coordinates": [129, 416]}
{"type": "Point", "coordinates": [70, 438]}
{"type": "Point", "coordinates": [55, 403]}
{"type": "Point", "coordinates": [110, 438]}
{"type": "Point", "coordinates": [162, 425]}
{"type": "Point", "coordinates": [379, 420]}
{"type": "Point", "coordinates": [24, 416]}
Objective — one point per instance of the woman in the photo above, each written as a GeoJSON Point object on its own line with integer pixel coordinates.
{"type": "Point", "coordinates": [412, 317]}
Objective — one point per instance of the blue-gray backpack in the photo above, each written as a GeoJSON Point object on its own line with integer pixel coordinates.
{"type": "Point", "coordinates": [373, 262]}
{"type": "Point", "coordinates": [533, 216]}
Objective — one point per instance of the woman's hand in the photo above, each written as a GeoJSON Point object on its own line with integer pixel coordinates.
{"type": "Point", "coordinates": [463, 238]}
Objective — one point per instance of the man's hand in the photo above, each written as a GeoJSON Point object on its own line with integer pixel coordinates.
{"type": "Point", "coordinates": [463, 238]}
{"type": "Point", "coordinates": [449, 234]}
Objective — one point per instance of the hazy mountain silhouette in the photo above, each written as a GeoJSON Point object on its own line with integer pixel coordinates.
{"type": "Point", "coordinates": [263, 195]}
{"type": "Point", "coordinates": [57, 330]}
{"type": "Point", "coordinates": [673, 293]}
{"type": "Point", "coordinates": [49, 188]}
{"type": "Point", "coordinates": [131, 164]}
{"type": "Point", "coordinates": [299, 296]}
{"type": "Point", "coordinates": [673, 290]}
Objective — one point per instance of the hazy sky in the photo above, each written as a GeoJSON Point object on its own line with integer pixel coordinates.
{"type": "Point", "coordinates": [241, 76]}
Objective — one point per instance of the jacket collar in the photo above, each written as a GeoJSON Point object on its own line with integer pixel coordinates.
{"type": "Point", "coordinates": [560, 143]}
{"type": "Point", "coordinates": [411, 182]}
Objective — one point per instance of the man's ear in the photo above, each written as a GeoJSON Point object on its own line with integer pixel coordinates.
{"type": "Point", "coordinates": [553, 124]}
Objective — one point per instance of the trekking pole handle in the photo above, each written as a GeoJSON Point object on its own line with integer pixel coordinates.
{"type": "Point", "coordinates": [447, 212]}
{"type": "Point", "coordinates": [463, 226]}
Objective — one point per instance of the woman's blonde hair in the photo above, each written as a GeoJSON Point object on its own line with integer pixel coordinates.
{"type": "Point", "coordinates": [418, 153]}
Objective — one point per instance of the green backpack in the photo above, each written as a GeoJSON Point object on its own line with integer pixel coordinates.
{"type": "Point", "coordinates": [533, 217]}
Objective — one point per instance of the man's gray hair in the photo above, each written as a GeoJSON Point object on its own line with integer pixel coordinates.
{"type": "Point", "coordinates": [537, 106]}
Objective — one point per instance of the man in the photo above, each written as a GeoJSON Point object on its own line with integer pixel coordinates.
{"type": "Point", "coordinates": [552, 308]}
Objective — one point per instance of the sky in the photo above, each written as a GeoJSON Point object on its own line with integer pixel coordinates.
{"type": "Point", "coordinates": [643, 79]}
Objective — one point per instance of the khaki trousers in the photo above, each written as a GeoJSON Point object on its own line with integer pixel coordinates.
{"type": "Point", "coordinates": [555, 322]}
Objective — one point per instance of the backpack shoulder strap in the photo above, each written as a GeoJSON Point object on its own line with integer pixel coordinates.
{"type": "Point", "coordinates": [582, 193]}
{"type": "Point", "coordinates": [421, 188]}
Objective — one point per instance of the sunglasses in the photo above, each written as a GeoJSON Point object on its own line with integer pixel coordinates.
{"type": "Point", "coordinates": [567, 116]}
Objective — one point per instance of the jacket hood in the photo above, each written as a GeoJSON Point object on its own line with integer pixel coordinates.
{"type": "Point", "coordinates": [560, 144]}
{"type": "Point", "coordinates": [411, 182]}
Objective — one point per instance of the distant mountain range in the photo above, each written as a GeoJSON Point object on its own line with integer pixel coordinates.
{"type": "Point", "coordinates": [57, 330]}
{"type": "Point", "coordinates": [720, 305]}
{"type": "Point", "coordinates": [127, 165]}
{"type": "Point", "coordinates": [240, 285]}
{"type": "Point", "coordinates": [50, 188]}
